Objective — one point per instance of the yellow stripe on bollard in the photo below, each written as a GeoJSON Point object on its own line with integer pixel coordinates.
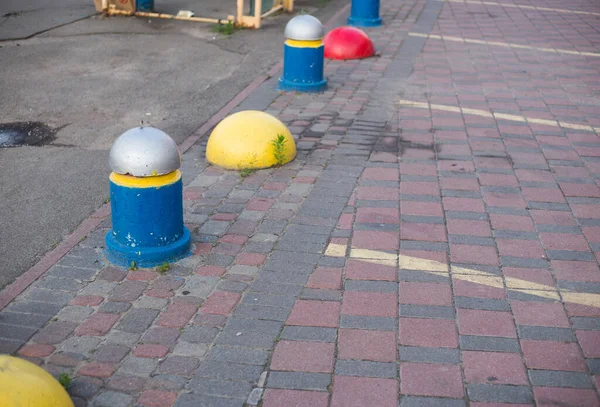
{"type": "Point", "coordinates": [145, 182]}
{"type": "Point", "coordinates": [304, 44]}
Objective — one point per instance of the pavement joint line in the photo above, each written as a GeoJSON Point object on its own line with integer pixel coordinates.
{"type": "Point", "coordinates": [521, 6]}
{"type": "Point", "coordinates": [498, 116]}
{"type": "Point", "coordinates": [502, 44]}
{"type": "Point", "coordinates": [466, 274]}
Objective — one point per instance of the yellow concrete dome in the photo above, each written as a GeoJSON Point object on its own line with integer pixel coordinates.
{"type": "Point", "coordinates": [23, 384]}
{"type": "Point", "coordinates": [250, 140]}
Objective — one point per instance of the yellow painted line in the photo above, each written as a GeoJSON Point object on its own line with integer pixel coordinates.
{"type": "Point", "coordinates": [466, 274]}
{"type": "Point", "coordinates": [498, 116]}
{"type": "Point", "coordinates": [503, 44]}
{"type": "Point", "coordinates": [336, 250]}
{"type": "Point", "coordinates": [524, 7]}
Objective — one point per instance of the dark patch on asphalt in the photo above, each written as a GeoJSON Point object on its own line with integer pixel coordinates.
{"type": "Point", "coordinates": [26, 134]}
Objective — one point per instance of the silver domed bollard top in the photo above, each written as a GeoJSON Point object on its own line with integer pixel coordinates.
{"type": "Point", "coordinates": [144, 152]}
{"type": "Point", "coordinates": [304, 28]}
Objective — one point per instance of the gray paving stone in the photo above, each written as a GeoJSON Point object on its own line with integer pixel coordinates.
{"type": "Point", "coordinates": [593, 365]}
{"type": "Point", "coordinates": [238, 354]}
{"type": "Point", "coordinates": [240, 338]}
{"type": "Point", "coordinates": [274, 288]}
{"type": "Point", "coordinates": [137, 320]}
{"type": "Point", "coordinates": [328, 261]}
{"type": "Point", "coordinates": [430, 311]}
{"type": "Point", "coordinates": [299, 381]}
{"type": "Point", "coordinates": [199, 334]}
{"type": "Point", "coordinates": [436, 220]}
{"type": "Point", "coordinates": [112, 399]}
{"type": "Point", "coordinates": [471, 240]}
{"type": "Point", "coordinates": [499, 393]}
{"type": "Point", "coordinates": [554, 378]}
{"type": "Point", "coordinates": [511, 234]}
{"type": "Point", "coordinates": [371, 286]}
{"type": "Point", "coordinates": [201, 400]}
{"type": "Point", "coordinates": [22, 319]}
{"type": "Point", "coordinates": [254, 325]}
{"type": "Point", "coordinates": [585, 323]}
{"type": "Point", "coordinates": [259, 312]}
{"type": "Point", "coordinates": [33, 307]}
{"type": "Point", "coordinates": [98, 287]}
{"type": "Point", "coordinates": [87, 262]}
{"type": "Point", "coordinates": [80, 344]}
{"type": "Point", "coordinates": [309, 333]}
{"type": "Point", "coordinates": [56, 283]}
{"type": "Point", "coordinates": [250, 215]}
{"type": "Point", "coordinates": [16, 333]}
{"type": "Point", "coordinates": [265, 299]}
{"type": "Point", "coordinates": [151, 302]}
{"type": "Point", "coordinates": [10, 346]}
{"type": "Point", "coordinates": [123, 338]}
{"type": "Point", "coordinates": [501, 210]}
{"type": "Point", "coordinates": [259, 247]}
{"type": "Point", "coordinates": [570, 255]}
{"type": "Point", "coordinates": [508, 261]}
{"type": "Point", "coordinates": [246, 270]}
{"type": "Point", "coordinates": [197, 350]}
{"type": "Point", "coordinates": [321, 295]}
{"type": "Point", "coordinates": [225, 388]}
{"type": "Point", "coordinates": [548, 206]}
{"type": "Point", "coordinates": [304, 247]}
{"type": "Point", "coordinates": [110, 353]}
{"type": "Point", "coordinates": [270, 226]}
{"type": "Point", "coordinates": [546, 333]}
{"type": "Point", "coordinates": [229, 371]}
{"type": "Point", "coordinates": [56, 297]}
{"type": "Point", "coordinates": [429, 355]}
{"type": "Point", "coordinates": [364, 322]}
{"type": "Point", "coordinates": [420, 276]}
{"type": "Point", "coordinates": [414, 401]}
{"type": "Point", "coordinates": [72, 273]}
{"type": "Point", "coordinates": [221, 260]}
{"type": "Point", "coordinates": [135, 366]}
{"type": "Point", "coordinates": [366, 368]}
{"type": "Point", "coordinates": [166, 382]}
{"type": "Point", "coordinates": [199, 286]}
{"type": "Point", "coordinates": [489, 343]}
{"type": "Point", "coordinates": [214, 227]}
{"type": "Point", "coordinates": [489, 304]}
{"type": "Point", "coordinates": [579, 286]}
{"type": "Point", "coordinates": [466, 215]}
{"type": "Point", "coordinates": [114, 307]}
{"type": "Point", "coordinates": [526, 296]}
{"type": "Point", "coordinates": [300, 277]}
{"type": "Point", "coordinates": [83, 388]}
{"type": "Point", "coordinates": [232, 286]}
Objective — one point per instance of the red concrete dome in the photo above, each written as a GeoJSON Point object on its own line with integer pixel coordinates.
{"type": "Point", "coordinates": [348, 43]}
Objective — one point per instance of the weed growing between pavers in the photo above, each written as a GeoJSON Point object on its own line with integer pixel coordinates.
{"type": "Point", "coordinates": [163, 268]}
{"type": "Point", "coordinates": [279, 143]}
{"type": "Point", "coordinates": [65, 380]}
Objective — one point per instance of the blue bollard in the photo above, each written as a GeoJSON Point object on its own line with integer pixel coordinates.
{"type": "Point", "coordinates": [303, 56]}
{"type": "Point", "coordinates": [144, 5]}
{"type": "Point", "coordinates": [146, 198]}
{"type": "Point", "coordinates": [364, 13]}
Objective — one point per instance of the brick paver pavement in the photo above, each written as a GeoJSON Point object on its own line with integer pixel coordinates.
{"type": "Point", "coordinates": [435, 243]}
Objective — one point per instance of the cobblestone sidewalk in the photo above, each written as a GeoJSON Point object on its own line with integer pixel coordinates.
{"type": "Point", "coordinates": [435, 243]}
